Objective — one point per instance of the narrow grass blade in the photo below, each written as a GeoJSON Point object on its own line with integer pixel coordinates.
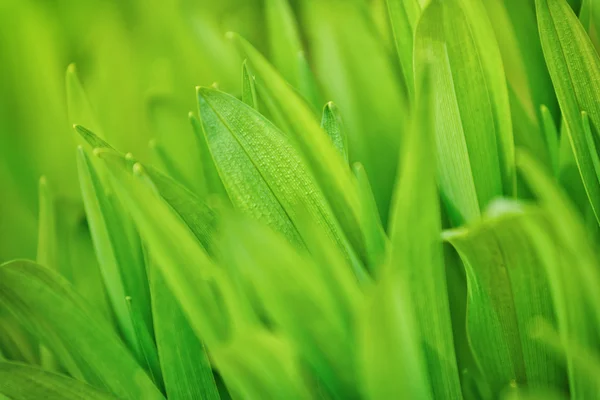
{"type": "Point", "coordinates": [23, 382]}
{"type": "Point", "coordinates": [79, 108]}
{"type": "Point", "coordinates": [331, 122]}
{"type": "Point", "coordinates": [248, 87]}
{"type": "Point", "coordinates": [415, 253]}
{"type": "Point", "coordinates": [121, 265]}
{"type": "Point", "coordinates": [284, 39]}
{"type": "Point", "coordinates": [80, 338]}
{"type": "Point", "coordinates": [574, 67]}
{"type": "Point", "coordinates": [475, 150]}
{"type": "Point", "coordinates": [551, 136]}
{"type": "Point", "coordinates": [185, 365]}
{"type": "Point", "coordinates": [404, 16]}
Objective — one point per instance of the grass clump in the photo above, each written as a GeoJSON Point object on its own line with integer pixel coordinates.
{"type": "Point", "coordinates": [430, 233]}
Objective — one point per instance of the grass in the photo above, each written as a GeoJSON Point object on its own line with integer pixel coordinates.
{"type": "Point", "coordinates": [376, 200]}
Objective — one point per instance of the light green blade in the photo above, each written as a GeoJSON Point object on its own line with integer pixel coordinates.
{"type": "Point", "coordinates": [284, 39]}
{"type": "Point", "coordinates": [331, 122]}
{"type": "Point", "coordinates": [80, 338]}
{"type": "Point", "coordinates": [415, 253]}
{"type": "Point", "coordinates": [122, 267]}
{"type": "Point", "coordinates": [475, 154]}
{"type": "Point", "coordinates": [248, 87]}
{"type": "Point", "coordinates": [23, 382]}
{"type": "Point", "coordinates": [404, 16]}
{"type": "Point", "coordinates": [185, 365]}
{"type": "Point", "coordinates": [575, 70]}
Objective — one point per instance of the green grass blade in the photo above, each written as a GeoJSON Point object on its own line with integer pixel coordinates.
{"type": "Point", "coordinates": [284, 39]}
{"type": "Point", "coordinates": [80, 338]}
{"type": "Point", "coordinates": [475, 150]}
{"type": "Point", "coordinates": [328, 167]}
{"type": "Point", "coordinates": [404, 16]}
{"type": "Point", "coordinates": [185, 365]}
{"type": "Point", "coordinates": [121, 265]}
{"type": "Point", "coordinates": [331, 122]}
{"type": "Point", "coordinates": [575, 70]}
{"type": "Point", "coordinates": [79, 108]}
{"type": "Point", "coordinates": [551, 136]}
{"type": "Point", "coordinates": [248, 87]}
{"type": "Point", "coordinates": [23, 382]}
{"type": "Point", "coordinates": [416, 250]}
{"type": "Point", "coordinates": [268, 178]}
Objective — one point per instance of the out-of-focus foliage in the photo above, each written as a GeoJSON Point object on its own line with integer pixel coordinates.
{"type": "Point", "coordinates": [297, 199]}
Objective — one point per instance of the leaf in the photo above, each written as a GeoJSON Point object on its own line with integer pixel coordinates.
{"type": "Point", "coordinates": [121, 265]}
{"type": "Point", "coordinates": [308, 86]}
{"type": "Point", "coordinates": [211, 176]}
{"type": "Point", "coordinates": [572, 267]}
{"type": "Point", "coordinates": [475, 155]}
{"type": "Point", "coordinates": [507, 294]}
{"type": "Point", "coordinates": [404, 16]}
{"type": "Point", "coordinates": [23, 382]}
{"type": "Point", "coordinates": [365, 85]}
{"type": "Point", "coordinates": [167, 164]}
{"type": "Point", "coordinates": [81, 339]}
{"type": "Point", "coordinates": [574, 68]}
{"type": "Point", "coordinates": [328, 167]}
{"type": "Point", "coordinates": [300, 298]}
{"type": "Point", "coordinates": [331, 122]}
{"type": "Point", "coordinates": [185, 365]}
{"type": "Point", "coordinates": [415, 253]}
{"type": "Point", "coordinates": [388, 344]}
{"type": "Point", "coordinates": [551, 135]}
{"type": "Point", "coordinates": [248, 87]}
{"type": "Point", "coordinates": [79, 108]}
{"type": "Point", "coordinates": [269, 370]}
{"type": "Point", "coordinates": [284, 39]}
{"type": "Point", "coordinates": [262, 172]}
{"type": "Point", "coordinates": [193, 279]}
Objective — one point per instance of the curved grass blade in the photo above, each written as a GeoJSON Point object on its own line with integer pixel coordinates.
{"type": "Point", "coordinates": [80, 338]}
{"type": "Point", "coordinates": [508, 292]}
{"type": "Point", "coordinates": [574, 68]}
{"type": "Point", "coordinates": [268, 178]}
{"type": "Point", "coordinates": [475, 154]}
{"type": "Point", "coordinates": [24, 382]}
{"type": "Point", "coordinates": [79, 108]}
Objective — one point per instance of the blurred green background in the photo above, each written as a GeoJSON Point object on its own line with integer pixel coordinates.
{"type": "Point", "coordinates": [136, 59]}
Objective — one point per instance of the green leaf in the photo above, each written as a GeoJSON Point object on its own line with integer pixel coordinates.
{"type": "Point", "coordinates": [475, 154]}
{"type": "Point", "coordinates": [508, 292]}
{"type": "Point", "coordinates": [192, 277]}
{"type": "Point", "coordinates": [79, 108]}
{"type": "Point", "coordinates": [80, 338]}
{"type": "Point", "coordinates": [121, 265]}
{"type": "Point", "coordinates": [572, 268]}
{"type": "Point", "coordinates": [263, 174]}
{"type": "Point", "coordinates": [365, 84]}
{"type": "Point", "coordinates": [331, 122]}
{"type": "Point", "coordinates": [284, 39]}
{"type": "Point", "coordinates": [404, 16]}
{"type": "Point", "coordinates": [23, 382]}
{"type": "Point", "coordinates": [167, 165]}
{"type": "Point", "coordinates": [308, 86]}
{"type": "Point", "coordinates": [211, 176]}
{"type": "Point", "coordinates": [574, 67]}
{"type": "Point", "coordinates": [415, 253]}
{"type": "Point", "coordinates": [328, 167]}
{"type": "Point", "coordinates": [301, 300]}
{"type": "Point", "coordinates": [185, 365]}
{"type": "Point", "coordinates": [551, 135]}
{"type": "Point", "coordinates": [248, 87]}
